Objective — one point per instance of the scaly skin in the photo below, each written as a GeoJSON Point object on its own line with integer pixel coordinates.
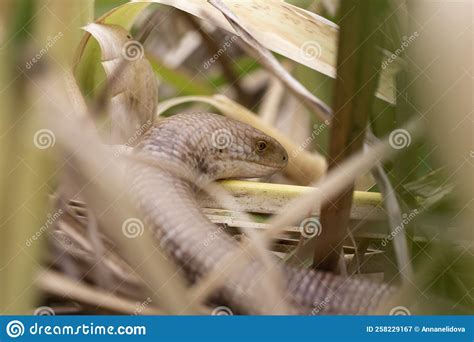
{"type": "Point", "coordinates": [214, 147]}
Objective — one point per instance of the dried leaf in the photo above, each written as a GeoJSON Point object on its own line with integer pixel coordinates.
{"type": "Point", "coordinates": [134, 88]}
{"type": "Point", "coordinates": [86, 67]}
{"type": "Point", "coordinates": [288, 30]}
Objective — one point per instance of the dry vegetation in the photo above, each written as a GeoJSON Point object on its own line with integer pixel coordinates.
{"type": "Point", "coordinates": [370, 100]}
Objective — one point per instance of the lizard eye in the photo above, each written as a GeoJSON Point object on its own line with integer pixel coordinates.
{"type": "Point", "coordinates": [261, 146]}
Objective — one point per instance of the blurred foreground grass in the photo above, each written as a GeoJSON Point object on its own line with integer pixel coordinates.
{"type": "Point", "coordinates": [433, 175]}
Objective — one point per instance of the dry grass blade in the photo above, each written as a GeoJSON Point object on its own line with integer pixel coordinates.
{"type": "Point", "coordinates": [67, 239]}
{"type": "Point", "coordinates": [271, 102]}
{"type": "Point", "coordinates": [61, 286]}
{"type": "Point", "coordinates": [270, 198]}
{"type": "Point", "coordinates": [271, 63]}
{"type": "Point", "coordinates": [395, 220]}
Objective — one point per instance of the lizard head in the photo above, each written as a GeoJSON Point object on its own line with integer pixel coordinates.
{"type": "Point", "coordinates": [214, 146]}
{"type": "Point", "coordinates": [237, 150]}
